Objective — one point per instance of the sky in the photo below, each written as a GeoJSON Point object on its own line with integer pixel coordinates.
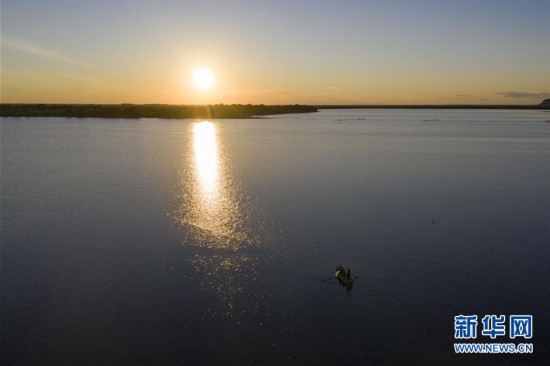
{"type": "Point", "coordinates": [276, 52]}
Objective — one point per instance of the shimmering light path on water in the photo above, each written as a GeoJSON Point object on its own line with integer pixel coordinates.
{"type": "Point", "coordinates": [206, 160]}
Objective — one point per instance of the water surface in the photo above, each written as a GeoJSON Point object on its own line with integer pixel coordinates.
{"type": "Point", "coordinates": [211, 242]}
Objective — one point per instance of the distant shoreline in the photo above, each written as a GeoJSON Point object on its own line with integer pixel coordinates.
{"type": "Point", "coordinates": [164, 111]}
{"type": "Point", "coordinates": [217, 111]}
{"type": "Point", "coordinates": [435, 106]}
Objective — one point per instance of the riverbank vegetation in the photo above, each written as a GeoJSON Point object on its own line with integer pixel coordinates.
{"type": "Point", "coordinates": [216, 111]}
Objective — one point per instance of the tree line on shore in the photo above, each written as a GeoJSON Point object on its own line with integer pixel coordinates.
{"type": "Point", "coordinates": [149, 110]}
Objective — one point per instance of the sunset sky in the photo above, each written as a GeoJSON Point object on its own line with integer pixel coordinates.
{"type": "Point", "coordinates": [276, 52]}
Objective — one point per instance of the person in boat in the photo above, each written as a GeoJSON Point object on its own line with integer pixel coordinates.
{"type": "Point", "coordinates": [349, 273]}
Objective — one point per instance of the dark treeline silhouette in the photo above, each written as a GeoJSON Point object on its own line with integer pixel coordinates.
{"type": "Point", "coordinates": [148, 110]}
{"type": "Point", "coordinates": [544, 105]}
{"type": "Point", "coordinates": [217, 111]}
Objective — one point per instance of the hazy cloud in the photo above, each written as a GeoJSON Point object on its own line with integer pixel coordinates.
{"type": "Point", "coordinates": [334, 88]}
{"type": "Point", "coordinates": [40, 51]}
{"type": "Point", "coordinates": [513, 94]}
{"type": "Point", "coordinates": [462, 95]}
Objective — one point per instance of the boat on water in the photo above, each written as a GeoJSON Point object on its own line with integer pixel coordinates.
{"type": "Point", "coordinates": [344, 278]}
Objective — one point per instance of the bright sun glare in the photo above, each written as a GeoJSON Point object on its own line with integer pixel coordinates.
{"type": "Point", "coordinates": [203, 79]}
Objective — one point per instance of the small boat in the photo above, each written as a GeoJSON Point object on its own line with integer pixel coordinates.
{"type": "Point", "coordinates": [344, 279]}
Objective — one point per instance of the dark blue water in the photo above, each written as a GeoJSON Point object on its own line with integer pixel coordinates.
{"type": "Point", "coordinates": [193, 242]}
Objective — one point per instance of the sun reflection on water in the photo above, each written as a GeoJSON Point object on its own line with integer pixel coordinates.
{"type": "Point", "coordinates": [218, 219]}
{"type": "Point", "coordinates": [206, 159]}
{"type": "Point", "coordinates": [213, 205]}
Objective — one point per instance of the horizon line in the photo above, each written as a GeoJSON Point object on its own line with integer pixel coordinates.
{"type": "Point", "coordinates": [319, 105]}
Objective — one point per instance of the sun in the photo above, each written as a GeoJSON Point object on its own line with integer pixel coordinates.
{"type": "Point", "coordinates": [203, 79]}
